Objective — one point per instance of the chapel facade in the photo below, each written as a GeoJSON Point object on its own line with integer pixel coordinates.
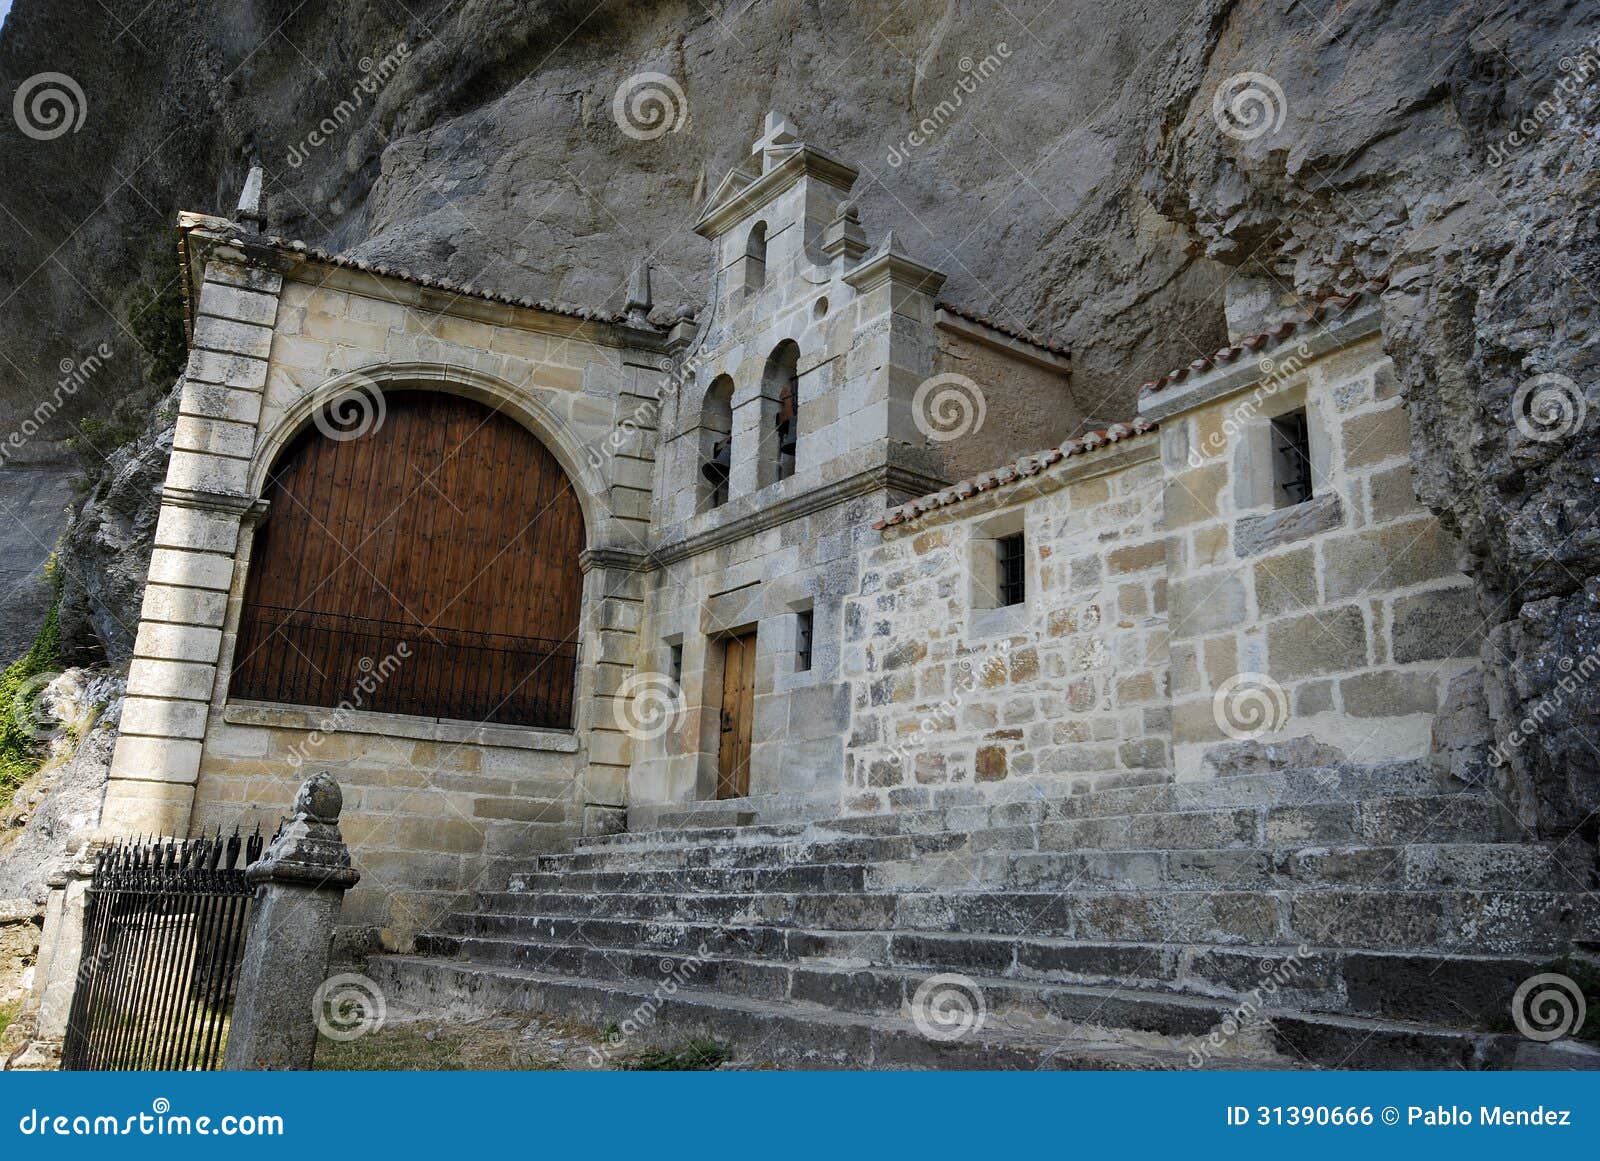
{"type": "Point", "coordinates": [517, 572]}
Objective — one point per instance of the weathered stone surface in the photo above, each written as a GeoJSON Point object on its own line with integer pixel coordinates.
{"type": "Point", "coordinates": [1257, 534]}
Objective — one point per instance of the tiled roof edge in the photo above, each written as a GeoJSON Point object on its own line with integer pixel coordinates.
{"type": "Point", "coordinates": [1030, 465]}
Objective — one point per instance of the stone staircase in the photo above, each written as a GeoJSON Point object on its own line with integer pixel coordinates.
{"type": "Point", "coordinates": [1332, 918]}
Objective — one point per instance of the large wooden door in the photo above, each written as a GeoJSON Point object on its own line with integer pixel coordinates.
{"type": "Point", "coordinates": [738, 713]}
{"type": "Point", "coordinates": [428, 567]}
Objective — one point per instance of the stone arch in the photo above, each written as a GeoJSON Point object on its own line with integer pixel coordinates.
{"type": "Point", "coordinates": [715, 443]}
{"type": "Point", "coordinates": [527, 408]}
{"type": "Point", "coordinates": [755, 258]}
{"type": "Point", "coordinates": [780, 414]}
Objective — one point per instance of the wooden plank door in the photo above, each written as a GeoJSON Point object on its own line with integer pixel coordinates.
{"type": "Point", "coordinates": [738, 713]}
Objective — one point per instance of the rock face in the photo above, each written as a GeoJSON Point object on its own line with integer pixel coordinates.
{"type": "Point", "coordinates": [1108, 178]}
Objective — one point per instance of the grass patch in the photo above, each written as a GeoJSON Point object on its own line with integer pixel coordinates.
{"type": "Point", "coordinates": [700, 1054]}
{"type": "Point", "coordinates": [8, 1013]}
{"type": "Point", "coordinates": [19, 750]}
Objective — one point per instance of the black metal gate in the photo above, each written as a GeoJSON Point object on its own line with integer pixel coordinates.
{"type": "Point", "coordinates": [163, 934]}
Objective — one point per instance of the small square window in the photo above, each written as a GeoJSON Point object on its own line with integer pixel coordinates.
{"type": "Point", "coordinates": [1291, 459]}
{"type": "Point", "coordinates": [802, 640]}
{"type": "Point", "coordinates": [1013, 578]}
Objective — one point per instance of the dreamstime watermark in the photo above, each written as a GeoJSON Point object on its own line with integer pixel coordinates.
{"type": "Point", "coordinates": [160, 1121]}
{"type": "Point", "coordinates": [949, 406]}
{"type": "Point", "coordinates": [1549, 1006]}
{"type": "Point", "coordinates": [1575, 677]}
{"type": "Point", "coordinates": [348, 1006]}
{"type": "Point", "coordinates": [1278, 974]}
{"type": "Point", "coordinates": [973, 75]}
{"type": "Point", "coordinates": [676, 974]}
{"type": "Point", "coordinates": [648, 706]}
{"type": "Point", "coordinates": [1275, 374]}
{"type": "Point", "coordinates": [1578, 70]}
{"type": "Point", "coordinates": [373, 675]}
{"type": "Point", "coordinates": [1249, 105]}
{"type": "Point", "coordinates": [31, 714]}
{"type": "Point", "coordinates": [1247, 706]}
{"type": "Point", "coordinates": [947, 1007]}
{"type": "Point", "coordinates": [359, 409]}
{"type": "Point", "coordinates": [374, 75]}
{"type": "Point", "coordinates": [49, 105]}
{"type": "Point", "coordinates": [74, 375]}
{"type": "Point", "coordinates": [649, 105]}
{"type": "Point", "coordinates": [1548, 407]}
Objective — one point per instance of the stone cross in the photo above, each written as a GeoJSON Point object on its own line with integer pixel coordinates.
{"type": "Point", "coordinates": [300, 883]}
{"type": "Point", "coordinates": [776, 133]}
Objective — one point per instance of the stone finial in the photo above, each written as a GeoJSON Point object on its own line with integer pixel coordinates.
{"type": "Point", "coordinates": [251, 211]}
{"type": "Point", "coordinates": [844, 237]}
{"type": "Point", "coordinates": [639, 300]}
{"type": "Point", "coordinates": [778, 139]}
{"type": "Point", "coordinates": [309, 847]}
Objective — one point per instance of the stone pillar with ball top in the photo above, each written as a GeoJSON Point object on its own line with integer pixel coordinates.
{"type": "Point", "coordinates": [300, 885]}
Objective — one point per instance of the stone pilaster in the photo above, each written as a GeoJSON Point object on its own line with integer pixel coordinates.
{"type": "Point", "coordinates": [207, 491]}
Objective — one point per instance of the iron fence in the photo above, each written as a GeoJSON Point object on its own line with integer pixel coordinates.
{"type": "Point", "coordinates": [302, 657]}
{"type": "Point", "coordinates": [164, 932]}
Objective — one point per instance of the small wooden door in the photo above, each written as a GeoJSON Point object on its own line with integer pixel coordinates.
{"type": "Point", "coordinates": [738, 711]}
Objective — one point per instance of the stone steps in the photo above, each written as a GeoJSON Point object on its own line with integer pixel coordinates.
{"type": "Point", "coordinates": [1463, 991]}
{"type": "Point", "coordinates": [1025, 1026]}
{"type": "Point", "coordinates": [1392, 918]}
{"type": "Point", "coordinates": [1384, 920]}
{"type": "Point", "coordinates": [1468, 865]}
{"type": "Point", "coordinates": [1387, 820]}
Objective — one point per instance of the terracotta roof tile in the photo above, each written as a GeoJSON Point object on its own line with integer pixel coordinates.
{"type": "Point", "coordinates": [1028, 465]}
{"type": "Point", "coordinates": [1327, 308]}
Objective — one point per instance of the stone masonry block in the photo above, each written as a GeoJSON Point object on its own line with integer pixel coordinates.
{"type": "Point", "coordinates": [149, 677]}
{"type": "Point", "coordinates": [200, 472]}
{"type": "Point", "coordinates": [1206, 603]}
{"type": "Point", "coordinates": [214, 436]}
{"type": "Point", "coordinates": [233, 338]}
{"type": "Point", "coordinates": [1376, 436]}
{"type": "Point", "coordinates": [184, 606]}
{"type": "Point", "coordinates": [1378, 560]}
{"type": "Point", "coordinates": [197, 528]}
{"type": "Point", "coordinates": [1327, 641]}
{"type": "Point", "coordinates": [199, 570]}
{"type": "Point", "coordinates": [162, 718]}
{"type": "Point", "coordinates": [239, 371]}
{"type": "Point", "coordinates": [177, 642]}
{"type": "Point", "coordinates": [238, 304]}
{"type": "Point", "coordinates": [155, 759]}
{"type": "Point", "coordinates": [1286, 583]}
{"type": "Point", "coordinates": [1438, 624]}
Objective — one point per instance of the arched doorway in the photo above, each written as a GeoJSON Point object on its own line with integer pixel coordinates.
{"type": "Point", "coordinates": [428, 566]}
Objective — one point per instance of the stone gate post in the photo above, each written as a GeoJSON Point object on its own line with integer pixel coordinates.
{"type": "Point", "coordinates": [301, 880]}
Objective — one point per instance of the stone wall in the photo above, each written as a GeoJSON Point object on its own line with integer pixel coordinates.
{"type": "Point", "coordinates": [1344, 618]}
{"type": "Point", "coordinates": [1068, 689]}
{"type": "Point", "coordinates": [1182, 621]}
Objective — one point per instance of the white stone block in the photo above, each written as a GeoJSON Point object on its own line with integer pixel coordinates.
{"type": "Point", "coordinates": [197, 570]}
{"type": "Point", "coordinates": [181, 606]}
{"type": "Point", "coordinates": [155, 759]}
{"type": "Point", "coordinates": [197, 528]}
{"type": "Point", "coordinates": [234, 302]}
{"type": "Point", "coordinates": [177, 642]}
{"type": "Point", "coordinates": [161, 718]}
{"type": "Point", "coordinates": [212, 401]}
{"type": "Point", "coordinates": [234, 338]}
{"type": "Point", "coordinates": [215, 436]}
{"type": "Point", "coordinates": [200, 472]}
{"type": "Point", "coordinates": [185, 680]}
{"type": "Point", "coordinates": [239, 371]}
